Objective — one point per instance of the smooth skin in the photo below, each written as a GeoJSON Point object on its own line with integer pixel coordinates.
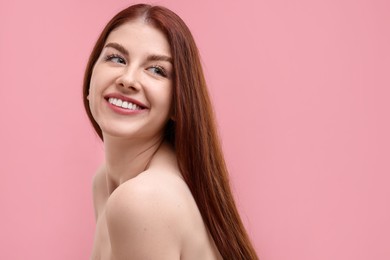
{"type": "Point", "coordinates": [144, 210]}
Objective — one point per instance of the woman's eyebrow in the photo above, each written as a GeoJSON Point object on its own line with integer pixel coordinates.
{"type": "Point", "coordinates": [155, 57]}
{"type": "Point", "coordinates": [118, 47]}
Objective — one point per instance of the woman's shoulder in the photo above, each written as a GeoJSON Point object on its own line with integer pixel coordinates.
{"type": "Point", "coordinates": [147, 216]}
{"type": "Point", "coordinates": [155, 194]}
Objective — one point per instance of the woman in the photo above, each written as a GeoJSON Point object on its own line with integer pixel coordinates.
{"type": "Point", "coordinates": [163, 190]}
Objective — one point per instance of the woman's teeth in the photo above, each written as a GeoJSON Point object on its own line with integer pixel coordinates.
{"type": "Point", "coordinates": [123, 104]}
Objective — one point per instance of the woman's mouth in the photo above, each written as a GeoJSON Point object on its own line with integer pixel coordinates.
{"type": "Point", "coordinates": [123, 104]}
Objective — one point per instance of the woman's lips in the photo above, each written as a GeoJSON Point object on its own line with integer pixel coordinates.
{"type": "Point", "coordinates": [124, 105]}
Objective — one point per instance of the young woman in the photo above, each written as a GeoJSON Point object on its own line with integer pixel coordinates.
{"type": "Point", "coordinates": [163, 190]}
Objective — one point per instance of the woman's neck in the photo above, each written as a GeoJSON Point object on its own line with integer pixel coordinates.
{"type": "Point", "coordinates": [125, 159]}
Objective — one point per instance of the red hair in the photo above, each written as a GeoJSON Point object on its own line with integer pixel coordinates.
{"type": "Point", "coordinates": [193, 132]}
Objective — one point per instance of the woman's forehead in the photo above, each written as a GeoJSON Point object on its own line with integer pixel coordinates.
{"type": "Point", "coordinates": [140, 35]}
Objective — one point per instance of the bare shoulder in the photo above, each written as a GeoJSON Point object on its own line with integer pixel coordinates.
{"type": "Point", "coordinates": [146, 217]}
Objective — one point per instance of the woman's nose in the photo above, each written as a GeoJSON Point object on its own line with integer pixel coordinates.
{"type": "Point", "coordinates": [129, 80]}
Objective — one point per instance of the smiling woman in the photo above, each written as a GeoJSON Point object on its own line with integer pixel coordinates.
{"type": "Point", "coordinates": [134, 76]}
{"type": "Point", "coordinates": [163, 190]}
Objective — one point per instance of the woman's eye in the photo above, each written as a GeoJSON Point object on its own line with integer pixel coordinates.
{"type": "Point", "coordinates": [158, 70]}
{"type": "Point", "coordinates": [115, 58]}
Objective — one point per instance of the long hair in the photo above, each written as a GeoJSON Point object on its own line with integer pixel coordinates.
{"type": "Point", "coordinates": [192, 133]}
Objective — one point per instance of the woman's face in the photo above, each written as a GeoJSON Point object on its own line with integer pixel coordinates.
{"type": "Point", "coordinates": [131, 84]}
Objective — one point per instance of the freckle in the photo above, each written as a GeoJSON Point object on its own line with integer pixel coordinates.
{"type": "Point", "coordinates": [145, 229]}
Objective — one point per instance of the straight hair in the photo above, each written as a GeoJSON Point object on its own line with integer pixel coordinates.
{"type": "Point", "coordinates": [192, 132]}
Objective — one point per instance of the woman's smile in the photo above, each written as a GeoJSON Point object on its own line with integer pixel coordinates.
{"type": "Point", "coordinates": [124, 105]}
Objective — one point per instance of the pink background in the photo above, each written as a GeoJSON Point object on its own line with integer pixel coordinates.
{"type": "Point", "coordinates": [301, 91]}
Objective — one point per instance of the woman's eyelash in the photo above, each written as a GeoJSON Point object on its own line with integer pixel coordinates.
{"type": "Point", "coordinates": [156, 69]}
{"type": "Point", "coordinates": [159, 70]}
{"type": "Point", "coordinates": [115, 58]}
